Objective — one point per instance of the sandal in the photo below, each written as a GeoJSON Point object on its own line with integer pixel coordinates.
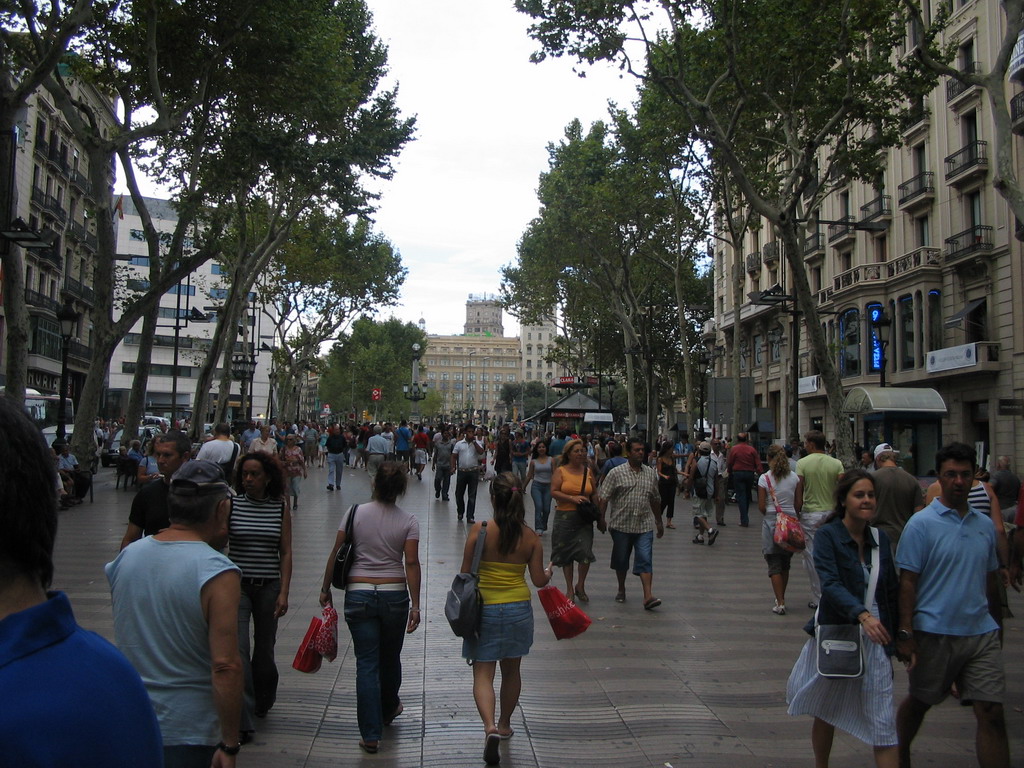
{"type": "Point", "coordinates": [581, 595]}
{"type": "Point", "coordinates": [398, 710]}
{"type": "Point", "coordinates": [491, 755]}
{"type": "Point", "coordinates": [620, 597]}
{"type": "Point", "coordinates": [652, 603]}
{"type": "Point", "coordinates": [370, 747]}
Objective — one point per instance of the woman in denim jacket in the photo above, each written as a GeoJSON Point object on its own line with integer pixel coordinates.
{"type": "Point", "coordinates": [861, 706]}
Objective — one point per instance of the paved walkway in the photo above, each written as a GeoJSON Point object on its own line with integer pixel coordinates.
{"type": "Point", "coordinates": [698, 682]}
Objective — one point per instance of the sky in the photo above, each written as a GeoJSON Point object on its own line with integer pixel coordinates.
{"type": "Point", "coordinates": [465, 188]}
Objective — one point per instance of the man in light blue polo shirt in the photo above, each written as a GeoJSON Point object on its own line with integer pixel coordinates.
{"type": "Point", "coordinates": [949, 611]}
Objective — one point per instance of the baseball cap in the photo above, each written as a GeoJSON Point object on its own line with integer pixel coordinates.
{"type": "Point", "coordinates": [199, 478]}
{"type": "Point", "coordinates": [882, 448]}
{"type": "Point", "coordinates": [705, 447]}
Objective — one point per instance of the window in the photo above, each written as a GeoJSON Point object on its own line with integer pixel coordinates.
{"type": "Point", "coordinates": [905, 331]}
{"type": "Point", "coordinates": [184, 290]}
{"type": "Point", "coordinates": [919, 159]}
{"type": "Point", "coordinates": [217, 269]}
{"type": "Point", "coordinates": [444, 377]}
{"type": "Point", "coordinates": [138, 285]}
{"type": "Point", "coordinates": [139, 261]}
{"type": "Point", "coordinates": [529, 375]}
{"type": "Point", "coordinates": [881, 250]}
{"type": "Point", "coordinates": [497, 377]}
{"type": "Point", "coordinates": [184, 372]}
{"type": "Point", "coordinates": [511, 377]}
{"type": "Point", "coordinates": [973, 204]}
{"type": "Point", "coordinates": [529, 363]}
{"type": "Point", "coordinates": [849, 343]}
{"type": "Point", "coordinates": [218, 293]}
{"type": "Point", "coordinates": [431, 376]}
{"type": "Point", "coordinates": [758, 345]}
{"type": "Point", "coordinates": [457, 376]}
{"type": "Point", "coordinates": [923, 229]}
{"type": "Point", "coordinates": [934, 320]}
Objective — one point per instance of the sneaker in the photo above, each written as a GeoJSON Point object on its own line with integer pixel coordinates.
{"type": "Point", "coordinates": [779, 610]}
{"type": "Point", "coordinates": [812, 605]}
{"type": "Point", "coordinates": [698, 539]}
{"type": "Point", "coordinates": [437, 494]}
{"type": "Point", "coordinates": [712, 535]}
{"type": "Point", "coordinates": [720, 524]}
{"type": "Point", "coordinates": [696, 523]}
{"type": "Point", "coordinates": [330, 487]}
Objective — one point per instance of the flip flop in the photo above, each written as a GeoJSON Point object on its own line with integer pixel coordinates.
{"type": "Point", "coordinates": [506, 736]}
{"type": "Point", "coordinates": [398, 710]}
{"type": "Point", "coordinates": [369, 748]}
{"type": "Point", "coordinates": [491, 755]}
{"type": "Point", "coordinates": [620, 598]}
{"type": "Point", "coordinates": [652, 603]}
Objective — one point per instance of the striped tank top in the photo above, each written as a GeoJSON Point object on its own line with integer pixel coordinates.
{"type": "Point", "coordinates": [254, 536]}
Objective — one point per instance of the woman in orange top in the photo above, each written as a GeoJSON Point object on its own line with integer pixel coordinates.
{"type": "Point", "coordinates": [572, 538]}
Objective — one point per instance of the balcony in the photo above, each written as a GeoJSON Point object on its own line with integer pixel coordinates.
{"type": "Point", "coordinates": [79, 351]}
{"type": "Point", "coordinates": [59, 160]}
{"type": "Point", "coordinates": [878, 209]}
{"type": "Point", "coordinates": [1017, 113]}
{"type": "Point", "coordinates": [55, 209]}
{"type": "Point", "coordinates": [753, 263]}
{"type": "Point", "coordinates": [37, 299]}
{"type": "Point", "coordinates": [814, 245]}
{"type": "Point", "coordinates": [977, 239]}
{"type": "Point", "coordinates": [80, 290]}
{"type": "Point", "coordinates": [770, 253]}
{"type": "Point", "coordinates": [918, 262]}
{"type": "Point", "coordinates": [90, 242]}
{"type": "Point", "coordinates": [76, 231]}
{"type": "Point", "coordinates": [80, 181]}
{"type": "Point", "coordinates": [917, 192]}
{"type": "Point", "coordinates": [851, 278]}
{"type": "Point", "coordinates": [968, 163]}
{"type": "Point", "coordinates": [38, 197]}
{"type": "Point", "coordinates": [825, 296]}
{"type": "Point", "coordinates": [915, 120]}
{"type": "Point", "coordinates": [41, 147]}
{"type": "Point", "coordinates": [955, 88]}
{"type": "Point", "coordinates": [840, 233]}
{"type": "Point", "coordinates": [48, 255]}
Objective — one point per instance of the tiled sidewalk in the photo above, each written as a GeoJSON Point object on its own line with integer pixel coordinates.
{"type": "Point", "coordinates": [699, 681]}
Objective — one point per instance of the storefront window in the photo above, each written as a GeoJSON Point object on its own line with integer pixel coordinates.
{"type": "Point", "coordinates": [849, 350]}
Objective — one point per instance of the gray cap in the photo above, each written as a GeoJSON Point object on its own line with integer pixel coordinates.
{"type": "Point", "coordinates": [199, 478]}
{"type": "Point", "coordinates": [704, 447]}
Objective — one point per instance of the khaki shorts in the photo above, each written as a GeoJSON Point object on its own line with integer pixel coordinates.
{"type": "Point", "coordinates": [974, 663]}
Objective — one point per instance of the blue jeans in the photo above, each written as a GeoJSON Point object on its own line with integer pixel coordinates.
{"type": "Point", "coordinates": [377, 621]}
{"type": "Point", "coordinates": [743, 482]}
{"type": "Point", "coordinates": [466, 482]}
{"type": "Point", "coordinates": [188, 756]}
{"type": "Point", "coordinates": [640, 545]}
{"type": "Point", "coordinates": [261, 674]}
{"type": "Point", "coordinates": [335, 466]}
{"type": "Point", "coordinates": [541, 495]}
{"type": "Point", "coordinates": [443, 479]}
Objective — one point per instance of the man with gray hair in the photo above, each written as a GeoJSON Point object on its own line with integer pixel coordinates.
{"type": "Point", "coordinates": [377, 449]}
{"type": "Point", "coordinates": [898, 495]}
{"type": "Point", "coordinates": [176, 619]}
{"type": "Point", "coordinates": [1006, 485]}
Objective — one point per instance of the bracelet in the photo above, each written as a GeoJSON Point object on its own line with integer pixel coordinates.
{"type": "Point", "coordinates": [229, 750]}
{"type": "Point", "coordinates": [325, 591]}
{"type": "Point", "coordinates": [414, 610]}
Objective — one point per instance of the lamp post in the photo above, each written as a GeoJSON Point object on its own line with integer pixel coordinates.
{"type": "Point", "coordinates": [883, 329]}
{"type": "Point", "coordinates": [415, 392]}
{"type": "Point", "coordinates": [776, 297]}
{"type": "Point", "coordinates": [68, 319]}
{"type": "Point", "coordinates": [243, 367]}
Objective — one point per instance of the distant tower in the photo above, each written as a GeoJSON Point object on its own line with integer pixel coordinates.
{"type": "Point", "coordinates": [422, 324]}
{"type": "Point", "coordinates": [483, 315]}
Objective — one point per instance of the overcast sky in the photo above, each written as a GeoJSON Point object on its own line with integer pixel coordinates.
{"type": "Point", "coordinates": [465, 189]}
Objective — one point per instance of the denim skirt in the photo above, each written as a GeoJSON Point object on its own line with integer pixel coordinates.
{"type": "Point", "coordinates": [506, 632]}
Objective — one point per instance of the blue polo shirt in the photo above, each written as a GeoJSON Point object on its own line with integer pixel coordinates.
{"type": "Point", "coordinates": [952, 557]}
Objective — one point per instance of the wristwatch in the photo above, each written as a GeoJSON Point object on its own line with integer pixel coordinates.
{"type": "Point", "coordinates": [904, 634]}
{"type": "Point", "coordinates": [229, 750]}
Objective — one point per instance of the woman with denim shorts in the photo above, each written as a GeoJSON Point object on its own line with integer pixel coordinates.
{"type": "Point", "coordinates": [506, 626]}
{"type": "Point", "coordinates": [382, 598]}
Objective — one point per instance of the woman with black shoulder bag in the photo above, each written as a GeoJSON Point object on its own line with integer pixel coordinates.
{"type": "Point", "coordinates": [844, 676]}
{"type": "Point", "coordinates": [572, 536]}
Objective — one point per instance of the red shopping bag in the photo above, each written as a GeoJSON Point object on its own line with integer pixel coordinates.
{"type": "Point", "coordinates": [567, 620]}
{"type": "Point", "coordinates": [307, 659]}
{"type": "Point", "coordinates": [325, 641]}
{"type": "Point", "coordinates": [789, 534]}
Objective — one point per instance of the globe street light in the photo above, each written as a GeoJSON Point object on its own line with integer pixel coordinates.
{"type": "Point", "coordinates": [415, 391]}
{"type": "Point", "coordinates": [243, 368]}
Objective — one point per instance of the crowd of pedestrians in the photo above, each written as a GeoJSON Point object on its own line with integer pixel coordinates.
{"type": "Point", "coordinates": [204, 572]}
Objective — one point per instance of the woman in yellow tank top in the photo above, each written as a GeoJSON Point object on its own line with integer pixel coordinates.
{"type": "Point", "coordinates": [506, 625]}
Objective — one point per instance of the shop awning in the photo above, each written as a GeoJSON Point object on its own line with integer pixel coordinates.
{"type": "Point", "coordinates": [880, 399]}
{"type": "Point", "coordinates": [598, 417]}
{"type": "Point", "coordinates": [955, 320]}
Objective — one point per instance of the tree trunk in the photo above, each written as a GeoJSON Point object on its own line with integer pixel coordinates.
{"type": "Point", "coordinates": [737, 337]}
{"type": "Point", "coordinates": [143, 364]}
{"type": "Point", "coordinates": [16, 317]}
{"type": "Point", "coordinates": [816, 342]}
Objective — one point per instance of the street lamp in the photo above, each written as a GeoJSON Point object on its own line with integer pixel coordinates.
{"type": "Point", "coordinates": [21, 234]}
{"type": "Point", "coordinates": [243, 368]}
{"type": "Point", "coordinates": [415, 391]}
{"type": "Point", "coordinates": [883, 329]}
{"type": "Point", "coordinates": [68, 319]}
{"type": "Point", "coordinates": [777, 297]}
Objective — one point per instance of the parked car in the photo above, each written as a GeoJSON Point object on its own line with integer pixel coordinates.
{"type": "Point", "coordinates": [50, 434]}
{"type": "Point", "coordinates": [110, 453]}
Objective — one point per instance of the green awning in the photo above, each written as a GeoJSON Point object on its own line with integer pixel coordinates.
{"type": "Point", "coordinates": [880, 399]}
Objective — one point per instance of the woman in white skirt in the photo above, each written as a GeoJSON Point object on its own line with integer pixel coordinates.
{"type": "Point", "coordinates": [861, 706]}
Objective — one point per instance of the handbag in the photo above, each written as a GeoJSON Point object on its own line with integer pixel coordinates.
{"type": "Point", "coordinates": [587, 510]}
{"type": "Point", "coordinates": [567, 619]}
{"type": "Point", "coordinates": [325, 641]}
{"type": "Point", "coordinates": [463, 604]}
{"type": "Point", "coordinates": [343, 562]}
{"type": "Point", "coordinates": [307, 659]}
{"type": "Point", "coordinates": [840, 647]}
{"type": "Point", "coordinates": [789, 534]}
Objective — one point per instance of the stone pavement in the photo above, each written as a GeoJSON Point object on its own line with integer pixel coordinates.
{"type": "Point", "coordinates": [698, 682]}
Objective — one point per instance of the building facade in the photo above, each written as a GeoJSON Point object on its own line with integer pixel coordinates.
{"type": "Point", "coordinates": [189, 312]}
{"type": "Point", "coordinates": [941, 262]}
{"type": "Point", "coordinates": [537, 341]}
{"type": "Point", "coordinates": [52, 197]}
